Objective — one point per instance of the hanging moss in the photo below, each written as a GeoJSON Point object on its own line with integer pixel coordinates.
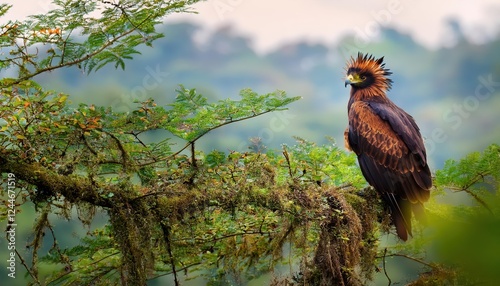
{"type": "Point", "coordinates": [133, 224]}
{"type": "Point", "coordinates": [338, 251]}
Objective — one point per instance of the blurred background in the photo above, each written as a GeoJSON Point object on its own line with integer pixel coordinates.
{"type": "Point", "coordinates": [445, 57]}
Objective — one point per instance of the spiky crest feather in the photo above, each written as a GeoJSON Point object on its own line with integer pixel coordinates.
{"type": "Point", "coordinates": [370, 66]}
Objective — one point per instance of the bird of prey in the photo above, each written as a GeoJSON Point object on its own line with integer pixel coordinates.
{"type": "Point", "coordinates": [387, 141]}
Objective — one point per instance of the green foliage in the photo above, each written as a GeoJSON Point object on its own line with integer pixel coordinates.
{"type": "Point", "coordinates": [95, 260]}
{"type": "Point", "coordinates": [27, 111]}
{"type": "Point", "coordinates": [71, 35]}
{"type": "Point", "coordinates": [477, 174]}
{"type": "Point", "coordinates": [191, 116]}
{"type": "Point", "coordinates": [323, 164]}
{"type": "Point", "coordinates": [4, 8]}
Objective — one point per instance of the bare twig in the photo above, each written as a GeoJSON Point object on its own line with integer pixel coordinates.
{"type": "Point", "coordinates": [125, 158]}
{"type": "Point", "coordinates": [215, 239]}
{"type": "Point", "coordinates": [23, 262]}
{"type": "Point", "coordinates": [40, 225]}
{"type": "Point", "coordinates": [84, 139]}
{"type": "Point", "coordinates": [185, 268]}
{"type": "Point", "coordinates": [408, 257]}
{"type": "Point", "coordinates": [193, 156]}
{"type": "Point", "coordinates": [287, 158]}
{"type": "Point", "coordinates": [404, 256]}
{"type": "Point", "coordinates": [385, 269]}
{"type": "Point", "coordinates": [166, 233]}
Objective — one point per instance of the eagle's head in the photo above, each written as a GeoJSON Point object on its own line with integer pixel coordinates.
{"type": "Point", "coordinates": [366, 72]}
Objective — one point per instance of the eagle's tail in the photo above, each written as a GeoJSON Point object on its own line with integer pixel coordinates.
{"type": "Point", "coordinates": [400, 213]}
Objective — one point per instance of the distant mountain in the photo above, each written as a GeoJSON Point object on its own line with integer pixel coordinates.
{"type": "Point", "coordinates": [453, 93]}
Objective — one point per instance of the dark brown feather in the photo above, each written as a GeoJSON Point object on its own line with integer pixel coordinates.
{"type": "Point", "coordinates": [390, 149]}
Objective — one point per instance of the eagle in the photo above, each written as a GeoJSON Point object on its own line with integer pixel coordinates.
{"type": "Point", "coordinates": [387, 142]}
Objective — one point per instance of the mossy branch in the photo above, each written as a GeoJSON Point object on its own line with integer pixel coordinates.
{"type": "Point", "coordinates": [50, 183]}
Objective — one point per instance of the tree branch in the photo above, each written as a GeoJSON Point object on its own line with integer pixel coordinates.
{"type": "Point", "coordinates": [408, 257]}
{"type": "Point", "coordinates": [166, 234]}
{"type": "Point", "coordinates": [185, 268]}
{"type": "Point", "coordinates": [23, 262]}
{"type": "Point", "coordinates": [82, 59]}
{"type": "Point", "coordinates": [218, 126]}
{"type": "Point", "coordinates": [74, 189]}
{"type": "Point", "coordinates": [385, 269]}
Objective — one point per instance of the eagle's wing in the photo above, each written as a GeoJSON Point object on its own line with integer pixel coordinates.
{"type": "Point", "coordinates": [390, 150]}
{"type": "Point", "coordinates": [405, 127]}
{"type": "Point", "coordinates": [391, 156]}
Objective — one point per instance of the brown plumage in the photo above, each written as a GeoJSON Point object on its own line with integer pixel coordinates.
{"type": "Point", "coordinates": [390, 149]}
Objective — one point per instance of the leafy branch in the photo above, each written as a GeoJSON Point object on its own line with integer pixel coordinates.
{"type": "Point", "coordinates": [468, 174]}
{"type": "Point", "coordinates": [78, 39]}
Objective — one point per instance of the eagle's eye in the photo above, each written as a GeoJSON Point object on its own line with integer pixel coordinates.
{"type": "Point", "coordinates": [363, 77]}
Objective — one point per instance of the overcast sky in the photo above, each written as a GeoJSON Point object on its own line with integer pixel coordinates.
{"type": "Point", "coordinates": [272, 22]}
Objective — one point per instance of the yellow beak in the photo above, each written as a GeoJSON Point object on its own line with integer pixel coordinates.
{"type": "Point", "coordinates": [352, 79]}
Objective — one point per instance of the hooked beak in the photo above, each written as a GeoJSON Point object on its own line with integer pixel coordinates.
{"type": "Point", "coordinates": [347, 81]}
{"type": "Point", "coordinates": [352, 79]}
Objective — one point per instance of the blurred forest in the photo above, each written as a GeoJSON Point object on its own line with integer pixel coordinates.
{"type": "Point", "coordinates": [440, 88]}
{"type": "Point", "coordinates": [453, 93]}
